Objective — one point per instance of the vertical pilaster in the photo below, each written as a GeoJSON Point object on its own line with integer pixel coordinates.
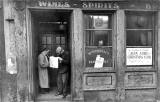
{"type": "Point", "coordinates": [158, 70]}
{"type": "Point", "coordinates": [77, 55]}
{"type": "Point", "coordinates": [120, 55]}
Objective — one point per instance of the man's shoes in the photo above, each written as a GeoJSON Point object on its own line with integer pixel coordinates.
{"type": "Point", "coordinates": [64, 96]}
{"type": "Point", "coordinates": [58, 94]}
{"type": "Point", "coordinates": [44, 91]}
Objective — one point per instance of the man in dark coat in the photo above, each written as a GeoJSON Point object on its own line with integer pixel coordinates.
{"type": "Point", "coordinates": [62, 78]}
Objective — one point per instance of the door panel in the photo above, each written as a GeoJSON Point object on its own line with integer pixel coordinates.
{"type": "Point", "coordinates": [99, 81]}
{"type": "Point", "coordinates": [140, 95]}
{"type": "Point", "coordinates": [99, 96]}
{"type": "Point", "coordinates": [138, 80]}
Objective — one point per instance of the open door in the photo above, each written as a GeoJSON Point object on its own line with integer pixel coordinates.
{"type": "Point", "coordinates": [51, 28]}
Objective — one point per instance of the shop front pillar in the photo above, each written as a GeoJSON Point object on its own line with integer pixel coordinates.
{"type": "Point", "coordinates": [77, 56]}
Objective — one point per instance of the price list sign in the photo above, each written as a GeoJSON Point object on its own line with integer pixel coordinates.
{"type": "Point", "coordinates": [139, 56]}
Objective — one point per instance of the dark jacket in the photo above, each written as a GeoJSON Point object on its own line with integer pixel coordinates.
{"type": "Point", "coordinates": [64, 65]}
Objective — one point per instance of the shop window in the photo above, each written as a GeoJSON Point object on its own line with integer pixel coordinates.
{"type": "Point", "coordinates": [98, 30]}
{"type": "Point", "coordinates": [98, 38]}
{"type": "Point", "coordinates": [52, 40]}
{"type": "Point", "coordinates": [57, 40]}
{"type": "Point", "coordinates": [139, 38]}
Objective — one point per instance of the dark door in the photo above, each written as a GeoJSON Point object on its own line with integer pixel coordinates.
{"type": "Point", "coordinates": [52, 35]}
{"type": "Point", "coordinates": [51, 29]}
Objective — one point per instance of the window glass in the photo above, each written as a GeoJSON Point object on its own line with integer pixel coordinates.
{"type": "Point", "coordinates": [98, 22]}
{"type": "Point", "coordinates": [51, 36]}
{"type": "Point", "coordinates": [43, 40]}
{"type": "Point", "coordinates": [62, 40]}
{"type": "Point", "coordinates": [49, 41]}
{"type": "Point", "coordinates": [139, 38]}
{"type": "Point", "coordinates": [43, 46]}
{"type": "Point", "coordinates": [139, 20]}
{"type": "Point", "coordinates": [98, 29]}
{"type": "Point", "coordinates": [49, 47]}
{"type": "Point", "coordinates": [57, 40]}
{"type": "Point", "coordinates": [139, 26]}
{"type": "Point", "coordinates": [98, 39]}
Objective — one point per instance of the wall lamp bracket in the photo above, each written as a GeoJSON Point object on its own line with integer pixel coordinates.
{"type": "Point", "coordinates": [10, 19]}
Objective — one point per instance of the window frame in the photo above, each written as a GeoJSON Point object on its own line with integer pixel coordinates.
{"type": "Point", "coordinates": [153, 30]}
{"type": "Point", "coordinates": [109, 29]}
{"type": "Point", "coordinates": [113, 29]}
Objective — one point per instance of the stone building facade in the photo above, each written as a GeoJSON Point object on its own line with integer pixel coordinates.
{"type": "Point", "coordinates": [124, 33]}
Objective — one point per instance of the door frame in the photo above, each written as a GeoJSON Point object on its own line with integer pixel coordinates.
{"type": "Point", "coordinates": [29, 26]}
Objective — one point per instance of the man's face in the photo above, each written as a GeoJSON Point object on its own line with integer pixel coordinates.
{"type": "Point", "coordinates": [58, 50]}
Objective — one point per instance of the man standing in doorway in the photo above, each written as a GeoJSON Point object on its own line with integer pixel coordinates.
{"type": "Point", "coordinates": [62, 77]}
{"type": "Point", "coordinates": [43, 65]}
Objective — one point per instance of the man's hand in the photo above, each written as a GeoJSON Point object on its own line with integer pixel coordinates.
{"type": "Point", "coordinates": [60, 59]}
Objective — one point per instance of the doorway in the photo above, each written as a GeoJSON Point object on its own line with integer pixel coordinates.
{"type": "Point", "coordinates": [50, 29]}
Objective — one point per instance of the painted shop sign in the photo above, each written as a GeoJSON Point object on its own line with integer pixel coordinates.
{"type": "Point", "coordinates": [95, 4]}
{"type": "Point", "coordinates": [59, 4]}
{"type": "Point", "coordinates": [108, 5]}
{"type": "Point", "coordinates": [83, 4]}
{"type": "Point", "coordinates": [139, 56]}
{"type": "Point", "coordinates": [91, 54]}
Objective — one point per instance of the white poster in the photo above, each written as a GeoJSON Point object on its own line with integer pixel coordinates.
{"type": "Point", "coordinates": [99, 62]}
{"type": "Point", "coordinates": [11, 65]}
{"type": "Point", "coordinates": [139, 56]}
{"type": "Point", "coordinates": [53, 62]}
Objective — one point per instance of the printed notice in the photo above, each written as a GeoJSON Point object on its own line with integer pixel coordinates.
{"type": "Point", "coordinates": [53, 62]}
{"type": "Point", "coordinates": [99, 62]}
{"type": "Point", "coordinates": [139, 56]}
{"type": "Point", "coordinates": [11, 65]}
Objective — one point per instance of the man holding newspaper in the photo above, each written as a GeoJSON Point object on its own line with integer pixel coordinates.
{"type": "Point", "coordinates": [61, 61]}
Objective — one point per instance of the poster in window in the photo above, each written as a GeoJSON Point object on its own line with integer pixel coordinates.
{"type": "Point", "coordinates": [105, 53]}
{"type": "Point", "coordinates": [139, 56]}
{"type": "Point", "coordinates": [98, 22]}
{"type": "Point", "coordinates": [99, 62]}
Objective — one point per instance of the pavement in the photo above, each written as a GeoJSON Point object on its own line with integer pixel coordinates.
{"type": "Point", "coordinates": [50, 97]}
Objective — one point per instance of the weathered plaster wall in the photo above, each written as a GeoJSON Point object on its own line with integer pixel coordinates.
{"type": "Point", "coordinates": [15, 81]}
{"type": "Point", "coordinates": [15, 71]}
{"type": "Point", "coordinates": [2, 48]}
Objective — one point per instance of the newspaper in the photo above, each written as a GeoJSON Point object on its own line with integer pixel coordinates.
{"type": "Point", "coordinates": [53, 62]}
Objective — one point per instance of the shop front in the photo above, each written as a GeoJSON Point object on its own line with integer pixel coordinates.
{"type": "Point", "coordinates": [113, 49]}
